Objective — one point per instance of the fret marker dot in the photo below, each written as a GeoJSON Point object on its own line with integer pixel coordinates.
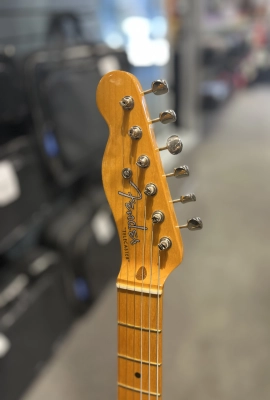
{"type": "Point", "coordinates": [137, 374]}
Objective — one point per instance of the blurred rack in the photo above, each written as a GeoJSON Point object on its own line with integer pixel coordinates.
{"type": "Point", "coordinates": [28, 37]}
{"type": "Point", "coordinates": [25, 28]}
{"type": "Point", "coordinates": [42, 11]}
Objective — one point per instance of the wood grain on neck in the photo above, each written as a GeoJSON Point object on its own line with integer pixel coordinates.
{"type": "Point", "coordinates": [139, 345]}
{"type": "Point", "coordinates": [145, 267]}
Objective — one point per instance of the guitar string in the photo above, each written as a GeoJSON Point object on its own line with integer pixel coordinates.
{"type": "Point", "coordinates": [123, 213]}
{"type": "Point", "coordinates": [158, 322]}
{"type": "Point", "coordinates": [143, 266]}
{"type": "Point", "coordinates": [149, 312]}
{"type": "Point", "coordinates": [127, 272]}
{"type": "Point", "coordinates": [134, 298]}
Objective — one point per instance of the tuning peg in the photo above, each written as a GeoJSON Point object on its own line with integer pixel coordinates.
{"type": "Point", "coordinates": [158, 87]}
{"type": "Point", "coordinates": [180, 172]}
{"type": "Point", "coordinates": [143, 161]}
{"type": "Point", "coordinates": [158, 217]}
{"type": "Point", "coordinates": [127, 103]}
{"type": "Point", "coordinates": [150, 189]}
{"type": "Point", "coordinates": [193, 224]}
{"type": "Point", "coordinates": [165, 243]}
{"type": "Point", "coordinates": [135, 132]}
{"type": "Point", "coordinates": [173, 145]}
{"type": "Point", "coordinates": [188, 198]}
{"type": "Point", "coordinates": [165, 117]}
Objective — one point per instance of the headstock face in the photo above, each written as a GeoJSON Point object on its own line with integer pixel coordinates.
{"type": "Point", "coordinates": [143, 264]}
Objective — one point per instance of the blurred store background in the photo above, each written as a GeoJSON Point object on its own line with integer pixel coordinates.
{"type": "Point", "coordinates": [59, 251]}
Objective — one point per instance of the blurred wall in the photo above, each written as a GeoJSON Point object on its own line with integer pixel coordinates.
{"type": "Point", "coordinates": [190, 71]}
{"type": "Point", "coordinates": [23, 22]}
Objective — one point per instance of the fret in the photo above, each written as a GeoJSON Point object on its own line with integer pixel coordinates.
{"type": "Point", "coordinates": [140, 376]}
{"type": "Point", "coordinates": [139, 289]}
{"type": "Point", "coordinates": [135, 343]}
{"type": "Point", "coordinates": [130, 305]}
{"type": "Point", "coordinates": [138, 391]}
{"type": "Point", "coordinates": [140, 328]}
{"type": "Point", "coordinates": [126, 394]}
{"type": "Point", "coordinates": [138, 360]}
{"type": "Point", "coordinates": [139, 345]}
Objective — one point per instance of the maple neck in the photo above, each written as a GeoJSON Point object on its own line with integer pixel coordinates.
{"type": "Point", "coordinates": [136, 187]}
{"type": "Point", "coordinates": [139, 345]}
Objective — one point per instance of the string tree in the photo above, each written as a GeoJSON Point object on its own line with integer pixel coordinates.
{"type": "Point", "coordinates": [127, 173]}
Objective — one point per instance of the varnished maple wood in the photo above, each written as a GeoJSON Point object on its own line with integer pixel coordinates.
{"type": "Point", "coordinates": [122, 152]}
{"type": "Point", "coordinates": [139, 350]}
{"type": "Point", "coordinates": [144, 267]}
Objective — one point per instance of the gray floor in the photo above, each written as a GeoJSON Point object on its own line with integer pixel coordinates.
{"type": "Point", "coordinates": [216, 316]}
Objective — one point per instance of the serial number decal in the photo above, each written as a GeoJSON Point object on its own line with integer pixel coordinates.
{"type": "Point", "coordinates": [132, 225]}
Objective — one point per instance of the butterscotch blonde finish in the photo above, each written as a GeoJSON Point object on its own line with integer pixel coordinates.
{"type": "Point", "coordinates": [122, 152]}
{"type": "Point", "coordinates": [139, 345]}
{"type": "Point", "coordinates": [144, 267]}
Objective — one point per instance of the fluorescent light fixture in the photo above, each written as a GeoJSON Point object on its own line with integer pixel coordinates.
{"type": "Point", "coordinates": [142, 51]}
{"type": "Point", "coordinates": [114, 40]}
{"type": "Point", "coordinates": [159, 27]}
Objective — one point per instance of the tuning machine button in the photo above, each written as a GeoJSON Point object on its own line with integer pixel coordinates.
{"type": "Point", "coordinates": [127, 103]}
{"type": "Point", "coordinates": [143, 161]}
{"type": "Point", "coordinates": [158, 87]}
{"type": "Point", "coordinates": [188, 198]}
{"type": "Point", "coordinates": [165, 117]}
{"type": "Point", "coordinates": [165, 244]}
{"type": "Point", "coordinates": [150, 189]}
{"type": "Point", "coordinates": [135, 132]}
{"type": "Point", "coordinates": [174, 145]}
{"type": "Point", "coordinates": [193, 224]}
{"type": "Point", "coordinates": [158, 217]}
{"type": "Point", "coordinates": [180, 172]}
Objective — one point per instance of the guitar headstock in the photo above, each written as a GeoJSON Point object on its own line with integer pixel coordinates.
{"type": "Point", "coordinates": [136, 185]}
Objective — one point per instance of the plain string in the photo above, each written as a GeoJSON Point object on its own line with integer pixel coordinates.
{"type": "Point", "coordinates": [123, 212]}
{"type": "Point", "coordinates": [149, 315]}
{"type": "Point", "coordinates": [143, 266]}
{"type": "Point", "coordinates": [134, 296]}
{"type": "Point", "coordinates": [158, 295]}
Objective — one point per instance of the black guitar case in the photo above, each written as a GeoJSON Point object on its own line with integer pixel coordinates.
{"type": "Point", "coordinates": [61, 85]}
{"type": "Point", "coordinates": [85, 235]}
{"type": "Point", "coordinates": [26, 194]}
{"type": "Point", "coordinates": [34, 315]}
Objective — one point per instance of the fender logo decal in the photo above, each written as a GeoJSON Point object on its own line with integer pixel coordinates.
{"type": "Point", "coordinates": [132, 225]}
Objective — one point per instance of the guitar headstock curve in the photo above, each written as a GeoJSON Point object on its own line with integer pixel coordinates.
{"type": "Point", "coordinates": [136, 186]}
